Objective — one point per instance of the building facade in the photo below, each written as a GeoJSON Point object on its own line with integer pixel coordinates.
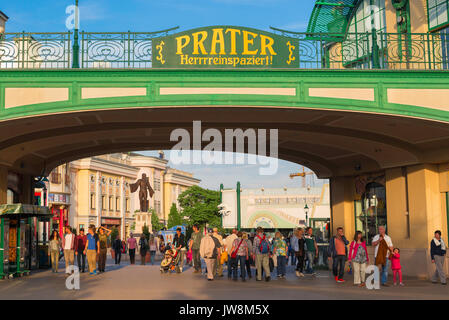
{"type": "Point", "coordinates": [278, 208]}
{"type": "Point", "coordinates": [96, 190]}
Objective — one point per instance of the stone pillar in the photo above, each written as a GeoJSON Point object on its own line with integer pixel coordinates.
{"type": "Point", "coordinates": [26, 195]}
{"type": "Point", "coordinates": [342, 205]}
{"type": "Point", "coordinates": [396, 195]}
{"type": "Point", "coordinates": [3, 184]}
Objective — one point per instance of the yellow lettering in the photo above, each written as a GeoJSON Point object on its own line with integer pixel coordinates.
{"type": "Point", "coordinates": [180, 44]}
{"type": "Point", "coordinates": [198, 44]}
{"type": "Point", "coordinates": [247, 41]}
{"type": "Point", "coordinates": [233, 33]}
{"type": "Point", "coordinates": [217, 38]}
{"type": "Point", "coordinates": [266, 43]}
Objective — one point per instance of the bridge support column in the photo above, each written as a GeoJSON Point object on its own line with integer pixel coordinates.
{"type": "Point", "coordinates": [342, 205]}
{"type": "Point", "coordinates": [3, 184]}
{"type": "Point", "coordinates": [426, 213]}
{"type": "Point", "coordinates": [26, 192]}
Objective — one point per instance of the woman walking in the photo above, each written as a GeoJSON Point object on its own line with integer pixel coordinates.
{"type": "Point", "coordinates": [54, 246]}
{"type": "Point", "coordinates": [152, 249]}
{"type": "Point", "coordinates": [359, 257]}
{"type": "Point", "coordinates": [239, 253]}
{"type": "Point", "coordinates": [280, 250]}
{"type": "Point", "coordinates": [248, 262]}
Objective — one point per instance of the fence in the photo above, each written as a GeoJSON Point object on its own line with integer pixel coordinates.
{"type": "Point", "coordinates": [429, 51]}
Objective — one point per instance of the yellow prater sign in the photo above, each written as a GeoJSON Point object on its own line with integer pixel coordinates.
{"type": "Point", "coordinates": [225, 47]}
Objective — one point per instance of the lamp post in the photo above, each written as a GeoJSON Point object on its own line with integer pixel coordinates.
{"type": "Point", "coordinates": [76, 45]}
{"type": "Point", "coordinates": [306, 210]}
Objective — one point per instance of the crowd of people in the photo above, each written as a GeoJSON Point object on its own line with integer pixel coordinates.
{"type": "Point", "coordinates": [240, 251]}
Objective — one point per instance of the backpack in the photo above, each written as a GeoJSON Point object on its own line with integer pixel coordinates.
{"type": "Point", "coordinates": [264, 247]}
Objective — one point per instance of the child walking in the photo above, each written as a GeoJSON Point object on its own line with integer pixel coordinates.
{"type": "Point", "coordinates": [396, 266]}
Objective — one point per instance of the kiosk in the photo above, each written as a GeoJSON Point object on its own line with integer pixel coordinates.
{"type": "Point", "coordinates": [23, 238]}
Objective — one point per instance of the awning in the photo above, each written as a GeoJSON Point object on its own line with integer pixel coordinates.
{"type": "Point", "coordinates": [332, 17]}
{"type": "Point", "coordinates": [24, 209]}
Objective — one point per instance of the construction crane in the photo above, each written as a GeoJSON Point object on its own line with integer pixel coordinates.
{"type": "Point", "coordinates": [302, 174]}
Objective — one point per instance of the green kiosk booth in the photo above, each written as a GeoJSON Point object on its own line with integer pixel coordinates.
{"type": "Point", "coordinates": [23, 239]}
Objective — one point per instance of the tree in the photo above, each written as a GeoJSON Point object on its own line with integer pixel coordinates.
{"type": "Point", "coordinates": [155, 223]}
{"type": "Point", "coordinates": [146, 231]}
{"type": "Point", "coordinates": [174, 218]}
{"type": "Point", "coordinates": [200, 206]}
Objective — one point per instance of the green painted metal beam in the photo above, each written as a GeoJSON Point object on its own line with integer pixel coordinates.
{"type": "Point", "coordinates": [301, 80]}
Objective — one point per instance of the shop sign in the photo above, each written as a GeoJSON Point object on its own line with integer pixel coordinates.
{"type": "Point", "coordinates": [110, 221]}
{"type": "Point", "coordinates": [225, 47]}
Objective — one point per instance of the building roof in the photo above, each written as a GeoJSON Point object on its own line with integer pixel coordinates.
{"type": "Point", "coordinates": [332, 16]}
{"type": "Point", "coordinates": [282, 192]}
{"type": "Point", "coordinates": [3, 15]}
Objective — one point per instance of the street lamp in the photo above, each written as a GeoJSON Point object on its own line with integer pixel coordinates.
{"type": "Point", "coordinates": [306, 210]}
{"type": "Point", "coordinates": [76, 46]}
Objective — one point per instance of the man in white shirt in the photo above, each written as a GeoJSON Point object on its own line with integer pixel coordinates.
{"type": "Point", "coordinates": [68, 244]}
{"type": "Point", "coordinates": [375, 242]}
{"type": "Point", "coordinates": [228, 246]}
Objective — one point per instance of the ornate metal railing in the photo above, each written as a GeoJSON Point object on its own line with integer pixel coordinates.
{"type": "Point", "coordinates": [429, 51]}
{"type": "Point", "coordinates": [27, 50]}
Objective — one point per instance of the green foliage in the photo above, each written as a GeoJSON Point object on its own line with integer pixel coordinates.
{"type": "Point", "coordinates": [201, 207]}
{"type": "Point", "coordinates": [156, 225]}
{"type": "Point", "coordinates": [174, 217]}
{"type": "Point", "coordinates": [114, 233]}
{"type": "Point", "coordinates": [146, 231]}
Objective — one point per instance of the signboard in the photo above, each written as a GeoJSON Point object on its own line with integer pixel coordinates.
{"type": "Point", "coordinates": [225, 47]}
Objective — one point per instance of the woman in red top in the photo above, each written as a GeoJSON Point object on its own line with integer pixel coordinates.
{"type": "Point", "coordinates": [358, 255]}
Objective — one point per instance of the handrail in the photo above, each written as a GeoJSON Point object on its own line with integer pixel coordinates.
{"type": "Point", "coordinates": [378, 50]}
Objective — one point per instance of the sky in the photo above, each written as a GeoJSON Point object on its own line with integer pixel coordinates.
{"type": "Point", "coordinates": [153, 15]}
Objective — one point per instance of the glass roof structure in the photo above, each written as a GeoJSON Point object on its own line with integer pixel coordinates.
{"type": "Point", "coordinates": [332, 17]}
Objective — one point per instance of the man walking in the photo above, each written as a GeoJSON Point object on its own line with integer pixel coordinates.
{"type": "Point", "coordinates": [298, 245]}
{"type": "Point", "coordinates": [194, 245]}
{"type": "Point", "coordinates": [92, 249]}
{"type": "Point", "coordinates": [218, 266]}
{"type": "Point", "coordinates": [117, 247]}
{"type": "Point", "coordinates": [437, 253]}
{"type": "Point", "coordinates": [261, 251]}
{"type": "Point", "coordinates": [132, 244]}
{"type": "Point", "coordinates": [311, 249]}
{"type": "Point", "coordinates": [179, 243]}
{"type": "Point", "coordinates": [228, 242]}
{"type": "Point", "coordinates": [68, 243]}
{"type": "Point", "coordinates": [143, 247]}
{"type": "Point", "coordinates": [383, 247]}
{"type": "Point", "coordinates": [338, 252]}
{"type": "Point", "coordinates": [80, 245]}
{"type": "Point", "coordinates": [210, 250]}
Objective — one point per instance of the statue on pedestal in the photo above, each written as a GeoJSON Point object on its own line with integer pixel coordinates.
{"type": "Point", "coordinates": [145, 187]}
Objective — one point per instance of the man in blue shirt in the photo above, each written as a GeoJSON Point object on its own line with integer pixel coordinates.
{"type": "Point", "coordinates": [92, 249]}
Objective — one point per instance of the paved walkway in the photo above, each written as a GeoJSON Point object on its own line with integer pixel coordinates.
{"type": "Point", "coordinates": [146, 282]}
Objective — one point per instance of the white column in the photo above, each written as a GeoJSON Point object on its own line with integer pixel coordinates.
{"type": "Point", "coordinates": [98, 197]}
{"type": "Point", "coordinates": [122, 205]}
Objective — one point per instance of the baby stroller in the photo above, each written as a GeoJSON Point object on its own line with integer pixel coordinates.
{"type": "Point", "coordinates": [170, 261]}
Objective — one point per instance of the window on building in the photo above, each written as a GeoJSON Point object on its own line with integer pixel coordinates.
{"type": "Point", "coordinates": [370, 15]}
{"type": "Point", "coordinates": [157, 206]}
{"type": "Point", "coordinates": [445, 47]}
{"type": "Point", "coordinates": [371, 210]}
{"type": "Point", "coordinates": [103, 203]}
{"type": "Point", "coordinates": [438, 13]}
{"type": "Point", "coordinates": [92, 201]}
{"type": "Point", "coordinates": [157, 184]}
{"type": "Point", "coordinates": [11, 197]}
{"type": "Point", "coordinates": [127, 204]}
{"type": "Point", "coordinates": [117, 204]}
{"type": "Point", "coordinates": [111, 203]}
